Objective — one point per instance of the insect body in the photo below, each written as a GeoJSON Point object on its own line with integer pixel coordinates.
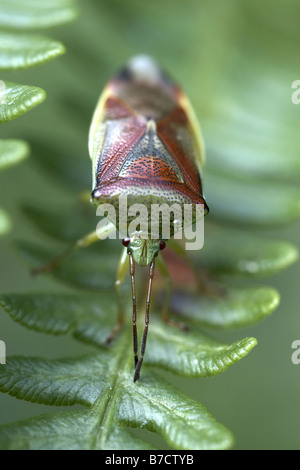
{"type": "Point", "coordinates": [145, 145]}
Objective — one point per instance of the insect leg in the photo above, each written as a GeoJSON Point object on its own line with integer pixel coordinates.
{"type": "Point", "coordinates": [83, 242]}
{"type": "Point", "coordinates": [144, 340]}
{"type": "Point", "coordinates": [56, 262]}
{"type": "Point", "coordinates": [205, 284]}
{"type": "Point", "coordinates": [121, 273]}
{"type": "Point", "coordinates": [163, 269]}
{"type": "Point", "coordinates": [134, 329]}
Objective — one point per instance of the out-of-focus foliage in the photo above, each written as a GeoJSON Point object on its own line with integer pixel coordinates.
{"type": "Point", "coordinates": [22, 50]}
{"type": "Point", "coordinates": [26, 50]}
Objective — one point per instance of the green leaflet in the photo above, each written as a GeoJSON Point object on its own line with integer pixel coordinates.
{"type": "Point", "coordinates": [231, 251]}
{"type": "Point", "coordinates": [18, 99]}
{"type": "Point", "coordinates": [33, 14]}
{"type": "Point", "coordinates": [5, 223]}
{"type": "Point", "coordinates": [82, 381]}
{"type": "Point", "coordinates": [155, 405]}
{"type": "Point", "coordinates": [54, 161]}
{"type": "Point", "coordinates": [261, 158]}
{"type": "Point", "coordinates": [12, 151]}
{"type": "Point", "coordinates": [81, 220]}
{"type": "Point", "coordinates": [236, 307]}
{"type": "Point", "coordinates": [85, 314]}
{"type": "Point", "coordinates": [251, 137]}
{"type": "Point", "coordinates": [64, 383]}
{"type": "Point", "coordinates": [77, 430]}
{"type": "Point", "coordinates": [251, 202]}
{"type": "Point", "coordinates": [81, 269]}
{"type": "Point", "coordinates": [193, 354]}
{"type": "Point", "coordinates": [21, 51]}
{"type": "Point", "coordinates": [185, 424]}
{"type": "Point", "coordinates": [59, 314]}
{"type": "Point", "coordinates": [99, 379]}
{"type": "Point", "coordinates": [91, 318]}
{"type": "Point", "coordinates": [26, 50]}
{"type": "Point", "coordinates": [106, 384]}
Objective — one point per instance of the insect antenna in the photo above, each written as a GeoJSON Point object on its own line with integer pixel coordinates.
{"type": "Point", "coordinates": [135, 340]}
{"type": "Point", "coordinates": [144, 340]}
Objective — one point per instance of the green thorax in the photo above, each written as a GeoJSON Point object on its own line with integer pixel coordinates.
{"type": "Point", "coordinates": [143, 249]}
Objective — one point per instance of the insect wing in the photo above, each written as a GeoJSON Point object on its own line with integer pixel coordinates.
{"type": "Point", "coordinates": [114, 131]}
{"type": "Point", "coordinates": [145, 142]}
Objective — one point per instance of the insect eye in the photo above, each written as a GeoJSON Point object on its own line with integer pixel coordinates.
{"type": "Point", "coordinates": [95, 194]}
{"type": "Point", "coordinates": [125, 241]}
{"type": "Point", "coordinates": [162, 244]}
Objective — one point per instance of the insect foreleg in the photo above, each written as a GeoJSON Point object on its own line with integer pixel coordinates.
{"type": "Point", "coordinates": [134, 330]}
{"type": "Point", "coordinates": [147, 317]}
{"type": "Point", "coordinates": [83, 242]}
{"type": "Point", "coordinates": [121, 273]}
{"type": "Point", "coordinates": [163, 269]}
{"type": "Point", "coordinates": [205, 284]}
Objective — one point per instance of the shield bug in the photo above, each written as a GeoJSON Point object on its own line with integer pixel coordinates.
{"type": "Point", "coordinates": [145, 145]}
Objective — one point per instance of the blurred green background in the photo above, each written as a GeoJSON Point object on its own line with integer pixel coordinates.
{"type": "Point", "coordinates": [236, 60]}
